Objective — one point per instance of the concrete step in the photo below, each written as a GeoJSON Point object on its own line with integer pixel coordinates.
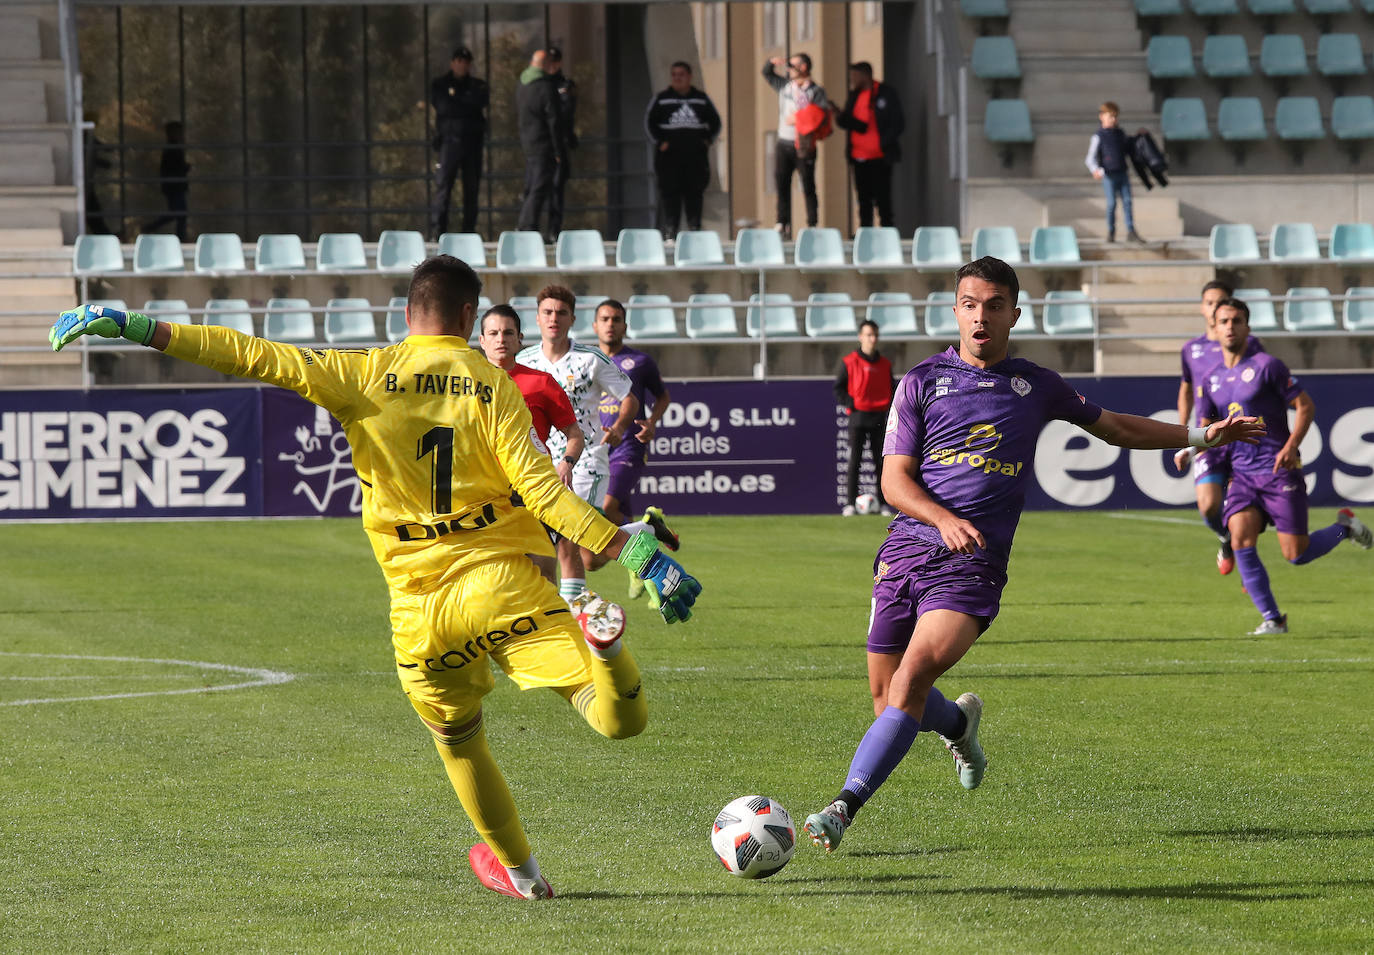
{"type": "Point", "coordinates": [19, 38]}
{"type": "Point", "coordinates": [23, 101]}
{"type": "Point", "coordinates": [1070, 26]}
{"type": "Point", "coordinates": [12, 290]}
{"type": "Point", "coordinates": [1151, 227]}
{"type": "Point", "coordinates": [30, 238]}
{"type": "Point", "coordinates": [27, 164]}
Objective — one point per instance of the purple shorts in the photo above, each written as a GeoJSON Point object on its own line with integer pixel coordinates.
{"type": "Point", "coordinates": [1280, 498]}
{"type": "Point", "coordinates": [913, 576]}
{"type": "Point", "coordinates": [1212, 466]}
{"type": "Point", "coordinates": [625, 472]}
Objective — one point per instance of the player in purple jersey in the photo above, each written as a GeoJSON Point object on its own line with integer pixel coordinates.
{"type": "Point", "coordinates": [960, 445]}
{"type": "Point", "coordinates": [629, 451]}
{"type": "Point", "coordinates": [1267, 485]}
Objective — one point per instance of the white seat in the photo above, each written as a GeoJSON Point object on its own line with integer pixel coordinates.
{"type": "Point", "coordinates": [230, 313]}
{"type": "Point", "coordinates": [349, 320]}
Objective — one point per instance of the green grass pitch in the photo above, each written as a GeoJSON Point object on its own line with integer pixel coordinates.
{"type": "Point", "coordinates": [1158, 780]}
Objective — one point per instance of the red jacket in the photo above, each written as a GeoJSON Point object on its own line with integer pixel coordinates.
{"type": "Point", "coordinates": [863, 383]}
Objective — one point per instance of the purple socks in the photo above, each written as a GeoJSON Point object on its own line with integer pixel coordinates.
{"type": "Point", "coordinates": [1256, 581]}
{"type": "Point", "coordinates": [943, 716]}
{"type": "Point", "coordinates": [1321, 542]}
{"type": "Point", "coordinates": [879, 752]}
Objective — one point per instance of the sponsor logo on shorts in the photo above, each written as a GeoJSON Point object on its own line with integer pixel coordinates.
{"type": "Point", "coordinates": [475, 648]}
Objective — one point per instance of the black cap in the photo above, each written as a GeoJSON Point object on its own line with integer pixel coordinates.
{"type": "Point", "coordinates": [462, 53]}
{"type": "Point", "coordinates": [554, 53]}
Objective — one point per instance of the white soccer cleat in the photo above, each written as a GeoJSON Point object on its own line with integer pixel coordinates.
{"type": "Point", "coordinates": [1360, 535]}
{"type": "Point", "coordinates": [826, 828]}
{"type": "Point", "coordinates": [969, 761]}
{"type": "Point", "coordinates": [1278, 624]}
{"type": "Point", "coordinates": [848, 511]}
{"type": "Point", "coordinates": [602, 622]}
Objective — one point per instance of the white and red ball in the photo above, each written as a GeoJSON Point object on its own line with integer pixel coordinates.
{"type": "Point", "coordinates": [753, 837]}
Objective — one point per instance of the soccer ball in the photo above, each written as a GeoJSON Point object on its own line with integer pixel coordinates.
{"type": "Point", "coordinates": [866, 504]}
{"type": "Point", "coordinates": [753, 836]}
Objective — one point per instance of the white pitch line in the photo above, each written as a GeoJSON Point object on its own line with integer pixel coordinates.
{"type": "Point", "coordinates": [261, 677]}
{"type": "Point", "coordinates": [1124, 516]}
{"type": "Point", "coordinates": [1067, 668]}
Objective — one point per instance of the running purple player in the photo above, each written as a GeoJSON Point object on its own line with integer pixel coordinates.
{"type": "Point", "coordinates": [960, 445]}
{"type": "Point", "coordinates": [629, 452]}
{"type": "Point", "coordinates": [1267, 485]}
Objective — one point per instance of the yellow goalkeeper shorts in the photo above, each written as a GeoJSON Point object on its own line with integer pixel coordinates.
{"type": "Point", "coordinates": [504, 610]}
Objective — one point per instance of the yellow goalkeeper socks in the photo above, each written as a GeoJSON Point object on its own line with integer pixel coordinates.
{"type": "Point", "coordinates": [484, 794]}
{"type": "Point", "coordinates": [613, 702]}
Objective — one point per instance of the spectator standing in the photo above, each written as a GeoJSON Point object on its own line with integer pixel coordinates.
{"type": "Point", "coordinates": [566, 91]}
{"type": "Point", "coordinates": [172, 173]}
{"type": "Point", "coordinates": [1108, 153]}
{"type": "Point", "coordinates": [542, 138]}
{"type": "Point", "coordinates": [794, 153]}
{"type": "Point", "coordinates": [460, 123]}
{"type": "Point", "coordinates": [873, 117]}
{"type": "Point", "coordinates": [864, 385]}
{"type": "Point", "coordinates": [681, 122]}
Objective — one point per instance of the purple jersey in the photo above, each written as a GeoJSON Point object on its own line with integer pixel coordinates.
{"type": "Point", "coordinates": [1259, 385]}
{"type": "Point", "coordinates": [1199, 356]}
{"type": "Point", "coordinates": [974, 432]}
{"type": "Point", "coordinates": [644, 380]}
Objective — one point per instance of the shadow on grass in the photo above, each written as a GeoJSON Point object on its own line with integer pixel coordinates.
{"type": "Point", "coordinates": [1272, 834]}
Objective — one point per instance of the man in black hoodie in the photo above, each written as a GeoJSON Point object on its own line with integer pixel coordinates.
{"type": "Point", "coordinates": [544, 139]}
{"type": "Point", "coordinates": [681, 122]}
{"type": "Point", "coordinates": [873, 117]}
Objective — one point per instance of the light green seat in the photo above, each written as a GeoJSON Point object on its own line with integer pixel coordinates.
{"type": "Point", "coordinates": [1340, 54]}
{"type": "Point", "coordinates": [819, 248]}
{"type": "Point", "coordinates": [219, 252]}
{"type": "Point", "coordinates": [1241, 119]}
{"type": "Point", "coordinates": [579, 249]}
{"type": "Point", "coordinates": [584, 317]}
{"type": "Point", "coordinates": [521, 250]}
{"type": "Point", "coordinates": [939, 317]}
{"type": "Point", "coordinates": [1158, 8]}
{"type": "Point", "coordinates": [527, 307]}
{"type": "Point", "coordinates": [1271, 8]}
{"type": "Point", "coordinates": [1225, 57]}
{"type": "Point", "coordinates": [1025, 325]}
{"type": "Point", "coordinates": [1352, 241]}
{"type": "Point", "coordinates": [1263, 315]}
{"type": "Point", "coordinates": [349, 320]}
{"type": "Point", "coordinates": [1283, 54]}
{"type": "Point", "coordinates": [650, 316]}
{"type": "Point", "coordinates": [279, 253]}
{"type": "Point", "coordinates": [775, 313]}
{"type": "Point", "coordinates": [1314, 315]}
{"type": "Point", "coordinates": [1358, 316]}
{"type": "Point", "coordinates": [994, 58]}
{"type": "Point", "coordinates": [1067, 313]}
{"type": "Point", "coordinates": [1298, 118]}
{"type": "Point", "coordinates": [830, 315]}
{"type": "Point", "coordinates": [758, 247]}
{"type": "Point", "coordinates": [893, 312]}
{"type": "Point", "coordinates": [1169, 57]}
{"type": "Point", "coordinates": [466, 246]}
{"type": "Point", "coordinates": [97, 253]}
{"type": "Point", "coordinates": [998, 241]}
{"type": "Point", "coordinates": [982, 9]}
{"type": "Point", "coordinates": [1008, 121]}
{"type": "Point", "coordinates": [710, 315]}
{"type": "Point", "coordinates": [936, 247]}
{"type": "Point", "coordinates": [289, 320]}
{"type": "Point", "coordinates": [1183, 119]}
{"type": "Point", "coordinates": [396, 328]}
{"type": "Point", "coordinates": [877, 247]}
{"type": "Point", "coordinates": [173, 310]}
{"type": "Point", "coordinates": [1216, 8]}
{"type": "Point", "coordinates": [1233, 242]}
{"type": "Point", "coordinates": [1327, 7]}
{"type": "Point", "coordinates": [230, 313]}
{"type": "Point", "coordinates": [400, 251]}
{"type": "Point", "coordinates": [1352, 117]}
{"type": "Point", "coordinates": [1054, 245]}
{"type": "Point", "coordinates": [698, 248]}
{"type": "Point", "coordinates": [154, 252]}
{"type": "Point", "coordinates": [338, 251]}
{"type": "Point", "coordinates": [639, 249]}
{"type": "Point", "coordinates": [1293, 240]}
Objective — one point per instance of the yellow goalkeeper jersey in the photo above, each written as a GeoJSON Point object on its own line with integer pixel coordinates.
{"type": "Point", "coordinates": [439, 435]}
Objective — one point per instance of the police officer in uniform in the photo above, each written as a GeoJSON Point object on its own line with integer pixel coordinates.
{"type": "Point", "coordinates": [460, 110]}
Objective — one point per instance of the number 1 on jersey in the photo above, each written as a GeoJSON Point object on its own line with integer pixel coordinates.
{"type": "Point", "coordinates": [440, 441]}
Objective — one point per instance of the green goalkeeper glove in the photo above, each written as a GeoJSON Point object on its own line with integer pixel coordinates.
{"type": "Point", "coordinates": [103, 321]}
{"type": "Point", "coordinates": [671, 589]}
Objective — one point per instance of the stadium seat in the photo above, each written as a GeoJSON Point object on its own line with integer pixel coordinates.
{"type": "Point", "coordinates": [97, 253]}
{"type": "Point", "coordinates": [400, 251]}
{"type": "Point", "coordinates": [1025, 324]}
{"type": "Point", "coordinates": [1352, 241]}
{"type": "Point", "coordinates": [584, 316]}
{"type": "Point", "coordinates": [1293, 240]}
{"type": "Point", "coordinates": [466, 246]}
{"type": "Point", "coordinates": [1008, 121]}
{"type": "Point", "coordinates": [939, 315]}
{"type": "Point", "coordinates": [396, 328]}
{"type": "Point", "coordinates": [1352, 117]}
{"type": "Point", "coordinates": [173, 310]}
{"type": "Point", "coordinates": [230, 313]}
{"type": "Point", "coordinates": [1314, 315]}
{"type": "Point", "coordinates": [999, 241]}
{"type": "Point", "coordinates": [289, 320]}
{"type": "Point", "coordinates": [1170, 57]}
{"type": "Point", "coordinates": [758, 247]}
{"type": "Point", "coordinates": [639, 249]}
{"type": "Point", "coordinates": [650, 316]}
{"type": "Point", "coordinates": [936, 247]}
{"type": "Point", "coordinates": [1240, 119]}
{"type": "Point", "coordinates": [1298, 117]}
{"type": "Point", "coordinates": [521, 250]}
{"type": "Point", "coordinates": [983, 9]}
{"type": "Point", "coordinates": [336, 251]}
{"type": "Point", "coordinates": [1272, 8]}
{"type": "Point", "coordinates": [1358, 316]}
{"type": "Point", "coordinates": [1260, 301]}
{"type": "Point", "coordinates": [1283, 54]}
{"type": "Point", "coordinates": [349, 320]}
{"type": "Point", "coordinates": [710, 315]}
{"type": "Point", "coordinates": [1053, 245]}
{"type": "Point", "coordinates": [1216, 8]}
{"type": "Point", "coordinates": [1325, 7]}
{"type": "Point", "coordinates": [580, 249]}
{"type": "Point", "coordinates": [1067, 313]}
{"type": "Point", "coordinates": [698, 248]}
{"type": "Point", "coordinates": [830, 315]}
{"type": "Point", "coordinates": [877, 247]}
{"type": "Point", "coordinates": [1158, 8]}
{"type": "Point", "coordinates": [1225, 57]}
{"type": "Point", "coordinates": [155, 252]}
{"type": "Point", "coordinates": [994, 58]}
{"type": "Point", "coordinates": [1184, 119]}
{"type": "Point", "coordinates": [279, 253]}
{"type": "Point", "coordinates": [527, 307]}
{"type": "Point", "coordinates": [1233, 242]}
{"type": "Point", "coordinates": [779, 316]}
{"type": "Point", "coordinates": [819, 248]}
{"type": "Point", "coordinates": [1340, 54]}
{"type": "Point", "coordinates": [219, 252]}
{"type": "Point", "coordinates": [894, 312]}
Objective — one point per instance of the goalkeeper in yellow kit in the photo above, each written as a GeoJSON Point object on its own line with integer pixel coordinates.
{"type": "Point", "coordinates": [440, 436]}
